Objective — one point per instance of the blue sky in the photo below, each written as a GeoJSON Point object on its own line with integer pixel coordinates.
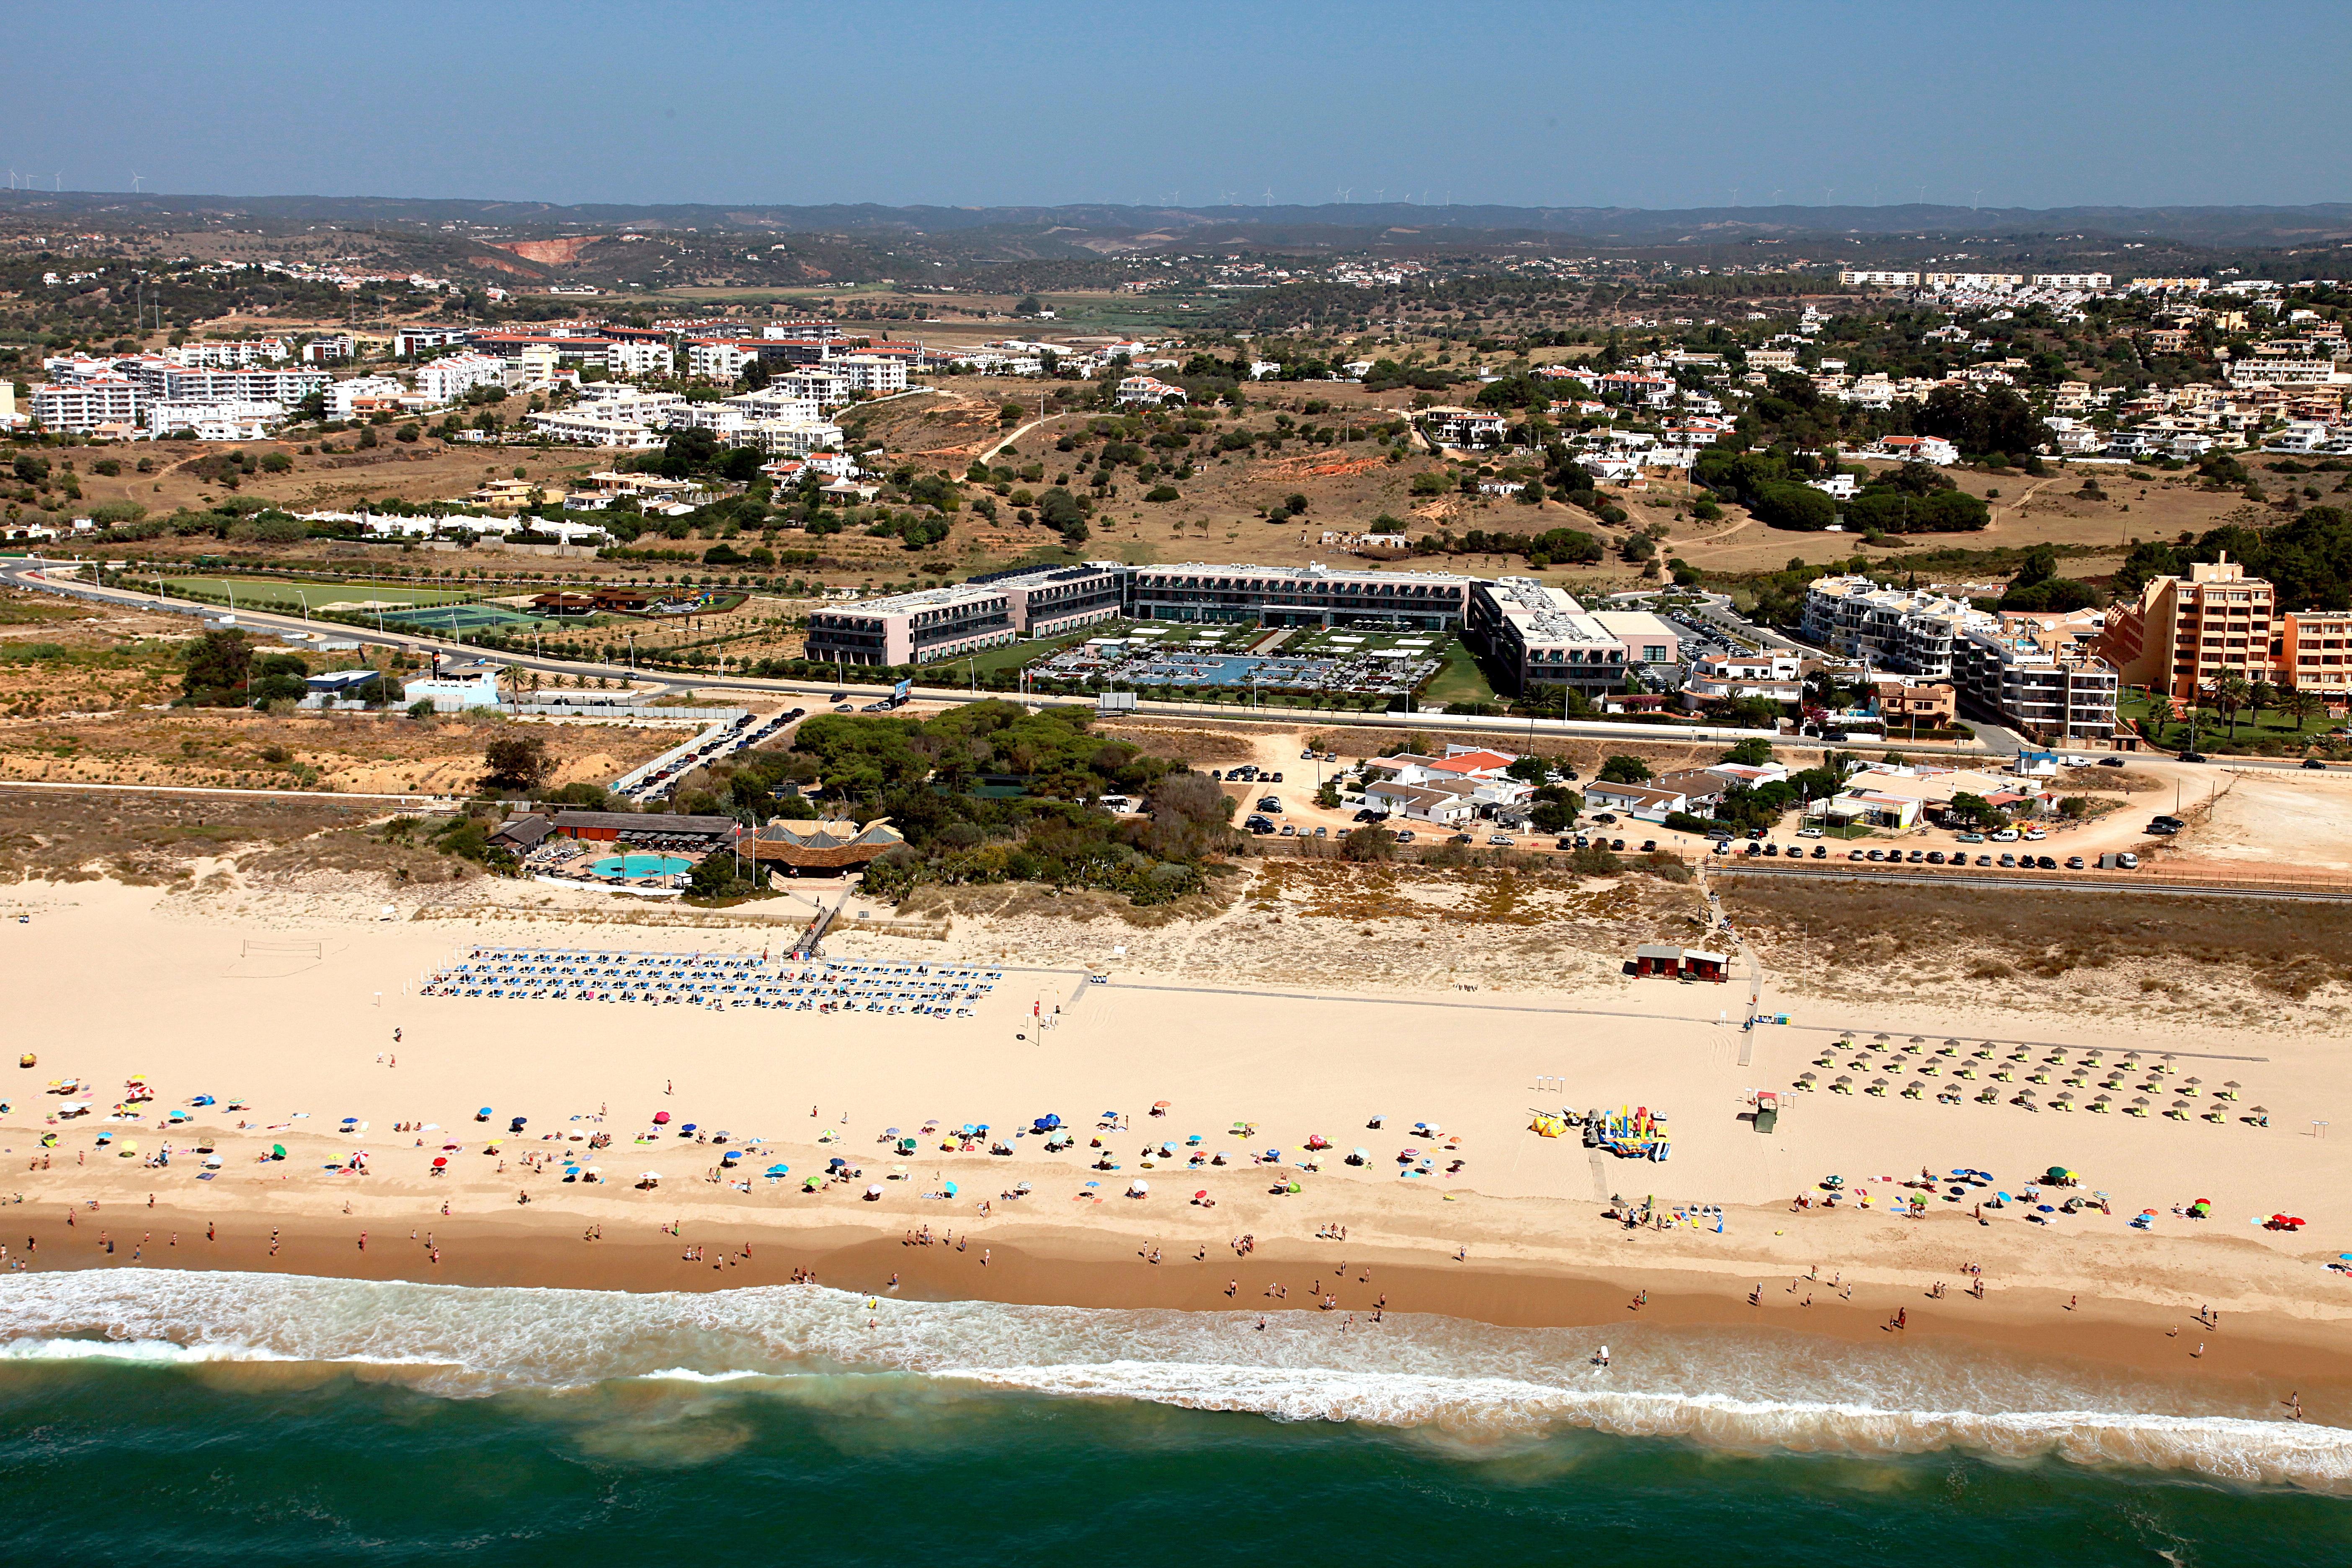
{"type": "Point", "coordinates": [1561, 104]}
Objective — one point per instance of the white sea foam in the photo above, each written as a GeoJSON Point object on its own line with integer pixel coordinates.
{"type": "Point", "coordinates": [1735, 1388]}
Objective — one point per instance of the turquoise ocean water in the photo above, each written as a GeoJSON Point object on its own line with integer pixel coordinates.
{"type": "Point", "coordinates": [178, 1418]}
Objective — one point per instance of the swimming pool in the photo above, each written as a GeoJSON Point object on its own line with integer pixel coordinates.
{"type": "Point", "coordinates": [642, 866]}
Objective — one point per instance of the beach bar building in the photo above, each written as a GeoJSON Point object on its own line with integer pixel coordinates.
{"type": "Point", "coordinates": [821, 847]}
{"type": "Point", "coordinates": [652, 829]}
{"type": "Point", "coordinates": [1714, 966]}
{"type": "Point", "coordinates": [1680, 963]}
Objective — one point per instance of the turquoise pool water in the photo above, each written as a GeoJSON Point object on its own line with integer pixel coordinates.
{"type": "Point", "coordinates": [642, 866]}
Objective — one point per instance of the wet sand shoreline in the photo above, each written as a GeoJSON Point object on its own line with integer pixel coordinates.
{"type": "Point", "coordinates": [1041, 1265]}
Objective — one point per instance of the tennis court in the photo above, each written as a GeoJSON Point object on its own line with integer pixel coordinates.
{"type": "Point", "coordinates": [458, 618]}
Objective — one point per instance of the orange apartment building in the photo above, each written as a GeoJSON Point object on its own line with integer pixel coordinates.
{"type": "Point", "coordinates": [2184, 634]}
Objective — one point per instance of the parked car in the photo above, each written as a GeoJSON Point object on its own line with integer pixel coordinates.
{"type": "Point", "coordinates": [2127, 861]}
{"type": "Point", "coordinates": [2073, 862]}
{"type": "Point", "coordinates": [2006, 836]}
{"type": "Point", "coordinates": [1258, 825]}
{"type": "Point", "coordinates": [1322, 832]}
{"type": "Point", "coordinates": [1772, 849]}
{"type": "Point", "coordinates": [2192, 757]}
{"type": "Point", "coordinates": [2162, 829]}
{"type": "Point", "coordinates": [1969, 838]}
{"type": "Point", "coordinates": [1288, 830]}
{"type": "Point", "coordinates": [2111, 761]}
{"type": "Point", "coordinates": [1821, 851]}
{"type": "Point", "coordinates": [1755, 849]}
{"type": "Point", "coordinates": [1984, 860]}
{"type": "Point", "coordinates": [1604, 818]}
{"type": "Point", "coordinates": [1916, 858]}
{"type": "Point", "coordinates": [1459, 838]}
{"type": "Point", "coordinates": [1274, 778]}
{"type": "Point", "coordinates": [1876, 855]}
{"type": "Point", "coordinates": [1616, 843]}
{"type": "Point", "coordinates": [2045, 863]}
{"type": "Point", "coordinates": [1407, 836]}
{"type": "Point", "coordinates": [1934, 857]}
{"type": "Point", "coordinates": [1854, 853]}
{"type": "Point", "coordinates": [2035, 835]}
{"type": "Point", "coordinates": [1565, 844]}
{"type": "Point", "coordinates": [1809, 833]}
{"type": "Point", "coordinates": [2076, 761]}
{"type": "Point", "coordinates": [838, 697]}
{"type": "Point", "coordinates": [1649, 846]}
{"type": "Point", "coordinates": [1495, 840]}
{"type": "Point", "coordinates": [1269, 804]}
{"type": "Point", "coordinates": [2008, 860]}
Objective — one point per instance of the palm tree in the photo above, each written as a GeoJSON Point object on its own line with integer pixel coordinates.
{"type": "Point", "coordinates": [2230, 694]}
{"type": "Point", "coordinates": [2262, 694]}
{"type": "Point", "coordinates": [2301, 705]}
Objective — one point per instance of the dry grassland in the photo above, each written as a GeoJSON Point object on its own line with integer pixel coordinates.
{"type": "Point", "coordinates": [1333, 924]}
{"type": "Point", "coordinates": [153, 840]}
{"type": "Point", "coordinates": [386, 753]}
{"type": "Point", "coordinates": [57, 655]}
{"type": "Point", "coordinates": [2238, 960]}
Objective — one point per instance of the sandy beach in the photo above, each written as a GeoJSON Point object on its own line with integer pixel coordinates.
{"type": "Point", "coordinates": [116, 983]}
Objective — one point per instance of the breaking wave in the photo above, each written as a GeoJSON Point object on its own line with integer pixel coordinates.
{"type": "Point", "coordinates": [1739, 1388]}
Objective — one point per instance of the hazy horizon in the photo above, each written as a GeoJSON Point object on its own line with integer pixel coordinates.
{"type": "Point", "coordinates": [2004, 105]}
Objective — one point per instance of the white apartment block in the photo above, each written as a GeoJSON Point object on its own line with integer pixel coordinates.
{"type": "Point", "coordinates": [223, 420]}
{"type": "Point", "coordinates": [2060, 697]}
{"type": "Point", "coordinates": [2268, 371]}
{"type": "Point", "coordinates": [168, 382]}
{"type": "Point", "coordinates": [333, 350]}
{"type": "Point", "coordinates": [596, 425]}
{"type": "Point", "coordinates": [448, 379]}
{"type": "Point", "coordinates": [2073, 280]}
{"type": "Point", "coordinates": [1854, 278]}
{"type": "Point", "coordinates": [829, 389]}
{"type": "Point", "coordinates": [80, 406]}
{"type": "Point", "coordinates": [1993, 281]}
{"type": "Point", "coordinates": [718, 361]}
{"type": "Point", "coordinates": [1541, 636]}
{"type": "Point", "coordinates": [771, 403]}
{"type": "Point", "coordinates": [1892, 628]}
{"type": "Point", "coordinates": [881, 375]}
{"type": "Point", "coordinates": [661, 408]}
{"type": "Point", "coordinates": [411, 340]}
{"type": "Point", "coordinates": [234, 354]}
{"type": "Point", "coordinates": [789, 438]}
{"type": "Point", "coordinates": [635, 359]}
{"type": "Point", "coordinates": [342, 396]}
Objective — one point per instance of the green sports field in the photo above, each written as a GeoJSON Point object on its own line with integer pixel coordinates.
{"type": "Point", "coordinates": [263, 594]}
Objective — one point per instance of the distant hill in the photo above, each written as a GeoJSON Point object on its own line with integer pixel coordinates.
{"type": "Point", "coordinates": [1327, 223]}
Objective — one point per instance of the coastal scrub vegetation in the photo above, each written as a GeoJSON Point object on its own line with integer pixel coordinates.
{"type": "Point", "coordinates": [993, 793]}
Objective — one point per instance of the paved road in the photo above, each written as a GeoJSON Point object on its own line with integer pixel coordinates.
{"type": "Point", "coordinates": [26, 575]}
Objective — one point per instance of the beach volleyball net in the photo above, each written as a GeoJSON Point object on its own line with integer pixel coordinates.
{"type": "Point", "coordinates": [312, 948]}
